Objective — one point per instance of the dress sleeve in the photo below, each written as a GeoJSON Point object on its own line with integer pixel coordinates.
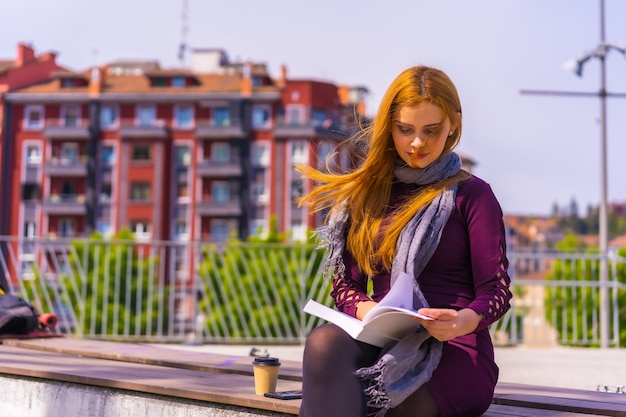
{"type": "Point", "coordinates": [488, 254]}
{"type": "Point", "coordinates": [350, 289]}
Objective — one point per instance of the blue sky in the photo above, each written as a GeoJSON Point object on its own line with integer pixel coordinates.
{"type": "Point", "coordinates": [535, 151]}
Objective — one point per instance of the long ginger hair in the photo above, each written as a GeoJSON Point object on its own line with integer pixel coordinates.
{"type": "Point", "coordinates": [367, 189]}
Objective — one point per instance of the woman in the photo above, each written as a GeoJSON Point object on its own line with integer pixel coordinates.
{"type": "Point", "coordinates": [409, 207]}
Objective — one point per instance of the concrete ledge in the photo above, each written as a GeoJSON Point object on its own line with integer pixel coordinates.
{"type": "Point", "coordinates": [33, 397]}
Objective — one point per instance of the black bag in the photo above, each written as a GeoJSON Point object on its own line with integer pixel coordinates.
{"type": "Point", "coordinates": [16, 315]}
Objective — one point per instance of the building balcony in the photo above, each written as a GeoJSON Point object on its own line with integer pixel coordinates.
{"type": "Point", "coordinates": [131, 128]}
{"type": "Point", "coordinates": [210, 129]}
{"type": "Point", "coordinates": [231, 208]}
{"type": "Point", "coordinates": [65, 204]}
{"type": "Point", "coordinates": [308, 129]}
{"type": "Point", "coordinates": [67, 128]}
{"type": "Point", "coordinates": [67, 167]}
{"type": "Point", "coordinates": [209, 168]}
{"type": "Point", "coordinates": [57, 241]}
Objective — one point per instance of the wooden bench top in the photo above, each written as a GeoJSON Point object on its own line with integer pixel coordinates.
{"type": "Point", "coordinates": [228, 379]}
{"type": "Point", "coordinates": [217, 387]}
{"type": "Point", "coordinates": [154, 355]}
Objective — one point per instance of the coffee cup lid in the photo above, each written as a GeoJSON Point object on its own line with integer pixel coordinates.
{"type": "Point", "coordinates": [266, 361]}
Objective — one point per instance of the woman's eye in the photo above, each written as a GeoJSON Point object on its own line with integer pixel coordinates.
{"type": "Point", "coordinates": [405, 130]}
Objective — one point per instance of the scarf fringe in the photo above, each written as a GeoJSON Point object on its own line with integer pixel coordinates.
{"type": "Point", "coordinates": [374, 387]}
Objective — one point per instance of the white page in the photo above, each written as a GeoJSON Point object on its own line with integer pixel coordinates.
{"type": "Point", "coordinates": [401, 293]}
{"type": "Point", "coordinates": [399, 298]}
{"type": "Point", "coordinates": [350, 324]}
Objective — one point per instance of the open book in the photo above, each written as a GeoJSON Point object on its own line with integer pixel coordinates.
{"type": "Point", "coordinates": [390, 320]}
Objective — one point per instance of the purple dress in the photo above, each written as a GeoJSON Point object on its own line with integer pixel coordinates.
{"type": "Point", "coordinates": [467, 270]}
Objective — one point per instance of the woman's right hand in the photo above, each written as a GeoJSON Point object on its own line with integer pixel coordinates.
{"type": "Point", "coordinates": [363, 307]}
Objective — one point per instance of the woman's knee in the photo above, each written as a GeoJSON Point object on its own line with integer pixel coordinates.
{"type": "Point", "coordinates": [325, 341]}
{"type": "Point", "coordinates": [420, 404]}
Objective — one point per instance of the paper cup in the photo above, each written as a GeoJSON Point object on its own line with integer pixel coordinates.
{"type": "Point", "coordinates": [265, 374]}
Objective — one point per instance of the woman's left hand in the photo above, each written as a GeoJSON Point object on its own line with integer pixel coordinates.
{"type": "Point", "coordinates": [449, 323]}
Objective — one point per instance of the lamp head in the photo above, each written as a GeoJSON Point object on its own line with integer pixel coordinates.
{"type": "Point", "coordinates": [575, 65]}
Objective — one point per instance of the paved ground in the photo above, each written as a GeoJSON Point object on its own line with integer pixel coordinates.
{"type": "Point", "coordinates": [548, 366]}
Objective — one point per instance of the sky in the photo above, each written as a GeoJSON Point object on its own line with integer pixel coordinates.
{"type": "Point", "coordinates": [535, 150]}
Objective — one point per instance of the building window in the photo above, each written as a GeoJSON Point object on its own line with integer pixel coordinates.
{"type": "Point", "coordinates": [140, 191]}
{"type": "Point", "coordinates": [71, 115]}
{"type": "Point", "coordinates": [33, 117]}
{"type": "Point", "coordinates": [146, 116]}
{"type": "Point", "coordinates": [261, 117]}
{"type": "Point", "coordinates": [183, 117]}
{"type": "Point", "coordinates": [319, 118]}
{"type": "Point", "coordinates": [141, 153]}
{"type": "Point", "coordinates": [257, 81]}
{"type": "Point", "coordinates": [220, 192]}
{"type": "Point", "coordinates": [260, 154]}
{"type": "Point", "coordinates": [298, 152]}
{"type": "Point", "coordinates": [258, 227]}
{"type": "Point", "coordinates": [183, 155]}
{"type": "Point", "coordinates": [160, 82]}
{"type": "Point", "coordinates": [69, 153]}
{"type": "Point", "coordinates": [105, 193]}
{"type": "Point", "coordinates": [297, 189]}
{"type": "Point", "coordinates": [68, 83]}
{"type": "Point", "coordinates": [104, 228]}
{"type": "Point", "coordinates": [66, 227]}
{"type": "Point", "coordinates": [33, 155]}
{"type": "Point", "coordinates": [294, 115]}
{"type": "Point", "coordinates": [219, 230]}
{"type": "Point", "coordinates": [141, 229]}
{"type": "Point", "coordinates": [27, 269]}
{"type": "Point", "coordinates": [220, 153]}
{"type": "Point", "coordinates": [30, 192]}
{"type": "Point", "coordinates": [180, 231]}
{"type": "Point", "coordinates": [182, 192]}
{"type": "Point", "coordinates": [178, 82]}
{"type": "Point", "coordinates": [221, 116]}
{"type": "Point", "coordinates": [298, 232]}
{"type": "Point", "coordinates": [324, 151]}
{"type": "Point", "coordinates": [30, 229]}
{"type": "Point", "coordinates": [108, 117]}
{"type": "Point", "coordinates": [258, 193]}
{"type": "Point", "coordinates": [107, 155]}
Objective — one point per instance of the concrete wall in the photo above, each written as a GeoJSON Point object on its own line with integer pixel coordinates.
{"type": "Point", "coordinates": [33, 397]}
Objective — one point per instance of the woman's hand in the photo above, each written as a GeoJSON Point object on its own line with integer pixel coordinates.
{"type": "Point", "coordinates": [449, 323]}
{"type": "Point", "coordinates": [363, 307]}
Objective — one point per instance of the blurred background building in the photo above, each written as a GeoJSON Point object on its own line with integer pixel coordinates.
{"type": "Point", "coordinates": [198, 153]}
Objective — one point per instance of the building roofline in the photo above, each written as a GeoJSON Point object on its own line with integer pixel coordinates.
{"type": "Point", "coordinates": [135, 97]}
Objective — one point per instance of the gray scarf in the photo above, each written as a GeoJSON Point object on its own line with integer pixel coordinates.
{"type": "Point", "coordinates": [409, 363]}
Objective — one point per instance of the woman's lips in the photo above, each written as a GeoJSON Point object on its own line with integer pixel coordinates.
{"type": "Point", "coordinates": [418, 155]}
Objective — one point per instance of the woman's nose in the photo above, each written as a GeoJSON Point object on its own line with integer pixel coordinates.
{"type": "Point", "coordinates": [416, 142]}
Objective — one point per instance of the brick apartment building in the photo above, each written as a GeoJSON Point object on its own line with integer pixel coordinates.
{"type": "Point", "coordinates": [194, 154]}
{"type": "Point", "coordinates": [25, 69]}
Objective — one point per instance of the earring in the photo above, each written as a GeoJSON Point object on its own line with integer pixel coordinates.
{"type": "Point", "coordinates": [451, 133]}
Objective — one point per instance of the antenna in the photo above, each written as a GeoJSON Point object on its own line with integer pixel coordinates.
{"type": "Point", "coordinates": [184, 28]}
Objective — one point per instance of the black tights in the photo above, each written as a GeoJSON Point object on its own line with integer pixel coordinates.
{"type": "Point", "coordinates": [329, 386]}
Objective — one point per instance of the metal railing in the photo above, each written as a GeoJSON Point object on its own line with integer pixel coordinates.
{"type": "Point", "coordinates": [254, 292]}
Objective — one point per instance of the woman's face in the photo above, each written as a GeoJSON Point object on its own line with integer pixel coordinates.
{"type": "Point", "coordinates": [419, 133]}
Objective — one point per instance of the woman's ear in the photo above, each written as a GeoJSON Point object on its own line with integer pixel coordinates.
{"type": "Point", "coordinates": [455, 121]}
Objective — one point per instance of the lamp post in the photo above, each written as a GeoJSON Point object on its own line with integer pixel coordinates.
{"type": "Point", "coordinates": [576, 65]}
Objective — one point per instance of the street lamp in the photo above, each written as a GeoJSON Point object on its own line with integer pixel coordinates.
{"type": "Point", "coordinates": [576, 66]}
